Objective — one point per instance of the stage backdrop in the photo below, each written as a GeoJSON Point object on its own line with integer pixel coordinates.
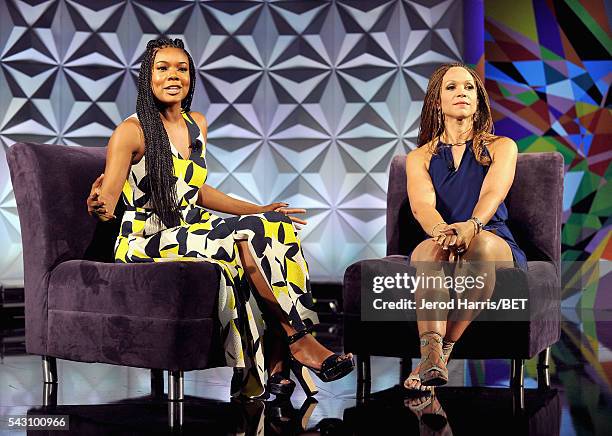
{"type": "Point", "coordinates": [548, 72]}
{"type": "Point", "coordinates": [307, 101]}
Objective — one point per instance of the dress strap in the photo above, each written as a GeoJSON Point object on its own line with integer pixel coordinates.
{"type": "Point", "coordinates": [194, 130]}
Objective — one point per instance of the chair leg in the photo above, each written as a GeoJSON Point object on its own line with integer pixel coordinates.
{"type": "Point", "coordinates": [364, 377]}
{"type": "Point", "coordinates": [517, 373]}
{"type": "Point", "coordinates": [518, 401]}
{"type": "Point", "coordinates": [176, 386]}
{"type": "Point", "coordinates": [543, 369]}
{"type": "Point", "coordinates": [157, 382]}
{"type": "Point", "coordinates": [175, 415]}
{"type": "Point", "coordinates": [517, 379]}
{"type": "Point", "coordinates": [49, 368]}
{"type": "Point", "coordinates": [49, 395]}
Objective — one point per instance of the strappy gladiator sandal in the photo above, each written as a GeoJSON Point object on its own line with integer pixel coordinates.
{"type": "Point", "coordinates": [430, 373]}
{"type": "Point", "coordinates": [430, 413]}
{"type": "Point", "coordinates": [333, 368]}
{"type": "Point", "coordinates": [447, 348]}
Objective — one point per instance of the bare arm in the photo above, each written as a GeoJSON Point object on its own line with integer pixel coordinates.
{"type": "Point", "coordinates": [211, 198]}
{"type": "Point", "coordinates": [499, 179]}
{"type": "Point", "coordinates": [125, 141]}
{"type": "Point", "coordinates": [421, 192]}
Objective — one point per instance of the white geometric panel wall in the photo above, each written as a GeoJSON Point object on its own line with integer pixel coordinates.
{"type": "Point", "coordinates": [307, 101]}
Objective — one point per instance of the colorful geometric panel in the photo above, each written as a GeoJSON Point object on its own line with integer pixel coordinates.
{"type": "Point", "coordinates": [307, 101]}
{"type": "Point", "coordinates": [548, 70]}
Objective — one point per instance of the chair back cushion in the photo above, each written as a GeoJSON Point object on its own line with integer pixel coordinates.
{"type": "Point", "coordinates": [534, 203]}
{"type": "Point", "coordinates": [51, 184]}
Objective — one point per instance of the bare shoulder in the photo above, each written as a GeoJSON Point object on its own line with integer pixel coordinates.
{"type": "Point", "coordinates": [414, 156]}
{"type": "Point", "coordinates": [198, 116]}
{"type": "Point", "coordinates": [503, 146]}
{"type": "Point", "coordinates": [419, 156]}
{"type": "Point", "coordinates": [200, 119]}
{"type": "Point", "coordinates": [128, 135]}
{"type": "Point", "coordinates": [132, 131]}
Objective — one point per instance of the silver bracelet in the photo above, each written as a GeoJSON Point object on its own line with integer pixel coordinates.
{"type": "Point", "coordinates": [478, 223]}
{"type": "Point", "coordinates": [475, 224]}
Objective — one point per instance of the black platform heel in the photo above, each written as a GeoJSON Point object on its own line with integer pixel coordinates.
{"type": "Point", "coordinates": [275, 383]}
{"type": "Point", "coordinates": [277, 387]}
{"type": "Point", "coordinates": [333, 368]}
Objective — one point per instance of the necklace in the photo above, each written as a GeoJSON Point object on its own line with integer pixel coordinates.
{"type": "Point", "coordinates": [456, 144]}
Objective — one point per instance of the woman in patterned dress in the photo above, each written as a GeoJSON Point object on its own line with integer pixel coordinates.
{"type": "Point", "coordinates": [156, 164]}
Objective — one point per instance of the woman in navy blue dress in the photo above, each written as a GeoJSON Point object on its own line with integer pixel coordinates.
{"type": "Point", "coordinates": [458, 178]}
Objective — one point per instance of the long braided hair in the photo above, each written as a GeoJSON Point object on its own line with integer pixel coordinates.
{"type": "Point", "coordinates": [158, 156]}
{"type": "Point", "coordinates": [432, 118]}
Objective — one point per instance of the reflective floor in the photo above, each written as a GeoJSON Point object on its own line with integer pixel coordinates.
{"type": "Point", "coordinates": [107, 399]}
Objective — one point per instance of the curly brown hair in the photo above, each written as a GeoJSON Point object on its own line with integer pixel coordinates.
{"type": "Point", "coordinates": [432, 119]}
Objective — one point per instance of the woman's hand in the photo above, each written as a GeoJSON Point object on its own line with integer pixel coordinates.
{"type": "Point", "coordinates": [94, 205]}
{"type": "Point", "coordinates": [444, 236]}
{"type": "Point", "coordinates": [465, 232]}
{"type": "Point", "coordinates": [455, 237]}
{"type": "Point", "coordinates": [282, 208]}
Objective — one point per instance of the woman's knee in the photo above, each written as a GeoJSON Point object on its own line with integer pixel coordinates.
{"type": "Point", "coordinates": [487, 246]}
{"type": "Point", "coordinates": [428, 251]}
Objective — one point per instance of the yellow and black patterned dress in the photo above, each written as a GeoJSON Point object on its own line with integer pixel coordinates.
{"type": "Point", "coordinates": [203, 236]}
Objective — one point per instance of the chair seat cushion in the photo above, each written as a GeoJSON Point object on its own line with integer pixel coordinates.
{"type": "Point", "coordinates": [542, 280]}
{"type": "Point", "coordinates": [352, 279]}
{"type": "Point", "coordinates": [152, 315]}
{"type": "Point", "coordinates": [166, 290]}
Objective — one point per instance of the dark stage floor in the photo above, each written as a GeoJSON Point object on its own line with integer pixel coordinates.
{"type": "Point", "coordinates": [107, 399]}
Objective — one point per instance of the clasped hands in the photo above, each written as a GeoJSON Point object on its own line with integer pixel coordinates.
{"type": "Point", "coordinates": [454, 237]}
{"type": "Point", "coordinates": [97, 207]}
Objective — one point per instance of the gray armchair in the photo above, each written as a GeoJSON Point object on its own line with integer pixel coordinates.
{"type": "Point", "coordinates": [535, 208]}
{"type": "Point", "coordinates": [81, 306]}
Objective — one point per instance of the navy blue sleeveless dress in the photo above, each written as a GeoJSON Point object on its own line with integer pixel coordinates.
{"type": "Point", "coordinates": [457, 192]}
